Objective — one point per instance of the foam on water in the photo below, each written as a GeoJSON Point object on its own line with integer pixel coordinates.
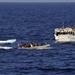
{"type": "Point", "coordinates": [8, 41]}
{"type": "Point", "coordinates": [5, 47]}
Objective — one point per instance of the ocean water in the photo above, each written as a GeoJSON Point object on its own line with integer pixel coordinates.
{"type": "Point", "coordinates": [27, 22]}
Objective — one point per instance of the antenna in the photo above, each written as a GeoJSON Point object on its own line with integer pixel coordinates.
{"type": "Point", "coordinates": [63, 24]}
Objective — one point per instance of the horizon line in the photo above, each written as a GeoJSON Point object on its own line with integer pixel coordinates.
{"type": "Point", "coordinates": [37, 2]}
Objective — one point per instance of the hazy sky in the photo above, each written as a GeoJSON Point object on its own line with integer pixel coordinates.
{"type": "Point", "coordinates": [37, 0]}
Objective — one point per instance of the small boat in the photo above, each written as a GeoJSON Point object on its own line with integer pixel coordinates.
{"type": "Point", "coordinates": [40, 47]}
{"type": "Point", "coordinates": [44, 46]}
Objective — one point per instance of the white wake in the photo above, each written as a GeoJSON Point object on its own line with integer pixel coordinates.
{"type": "Point", "coordinates": [5, 47]}
{"type": "Point", "coordinates": [8, 41]}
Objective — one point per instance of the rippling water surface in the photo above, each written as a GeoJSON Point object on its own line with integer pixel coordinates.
{"type": "Point", "coordinates": [27, 22]}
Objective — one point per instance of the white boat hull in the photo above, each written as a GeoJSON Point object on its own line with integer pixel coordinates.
{"type": "Point", "coordinates": [38, 47]}
{"type": "Point", "coordinates": [65, 38]}
{"type": "Point", "coordinates": [66, 34]}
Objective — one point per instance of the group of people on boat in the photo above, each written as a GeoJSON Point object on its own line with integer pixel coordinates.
{"type": "Point", "coordinates": [32, 44]}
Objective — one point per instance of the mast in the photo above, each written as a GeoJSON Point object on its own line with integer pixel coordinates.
{"type": "Point", "coordinates": [63, 24]}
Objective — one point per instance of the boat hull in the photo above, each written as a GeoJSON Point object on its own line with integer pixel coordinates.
{"type": "Point", "coordinates": [37, 47]}
{"type": "Point", "coordinates": [65, 38]}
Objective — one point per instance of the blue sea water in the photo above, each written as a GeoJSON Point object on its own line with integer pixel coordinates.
{"type": "Point", "coordinates": [27, 22]}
